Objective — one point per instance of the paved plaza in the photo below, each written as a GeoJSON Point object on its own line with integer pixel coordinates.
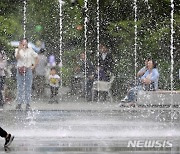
{"type": "Point", "coordinates": [89, 127]}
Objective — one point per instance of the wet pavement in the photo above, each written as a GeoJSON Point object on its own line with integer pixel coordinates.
{"type": "Point", "coordinates": [98, 128]}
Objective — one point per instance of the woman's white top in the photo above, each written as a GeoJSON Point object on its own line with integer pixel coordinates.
{"type": "Point", "coordinates": [27, 57]}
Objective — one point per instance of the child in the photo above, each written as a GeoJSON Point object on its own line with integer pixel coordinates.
{"type": "Point", "coordinates": [54, 79]}
{"type": "Point", "coordinates": [8, 137]}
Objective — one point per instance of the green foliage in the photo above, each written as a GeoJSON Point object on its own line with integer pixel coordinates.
{"type": "Point", "coordinates": [8, 27]}
{"type": "Point", "coordinates": [71, 19]}
{"type": "Point", "coordinates": [81, 2]}
{"type": "Point", "coordinates": [8, 30]}
{"type": "Point", "coordinates": [66, 75]}
{"type": "Point", "coordinates": [69, 60]}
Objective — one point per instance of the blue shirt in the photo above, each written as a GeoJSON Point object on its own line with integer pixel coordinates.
{"type": "Point", "coordinates": [154, 77]}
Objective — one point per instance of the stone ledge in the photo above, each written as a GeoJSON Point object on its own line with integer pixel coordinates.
{"type": "Point", "coordinates": [160, 97]}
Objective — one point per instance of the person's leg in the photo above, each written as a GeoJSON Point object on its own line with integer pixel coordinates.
{"type": "Point", "coordinates": [105, 95]}
{"type": "Point", "coordinates": [56, 91]}
{"type": "Point", "coordinates": [83, 87]}
{"type": "Point", "coordinates": [2, 81]}
{"type": "Point", "coordinates": [36, 86]}
{"type": "Point", "coordinates": [41, 82]}
{"type": "Point", "coordinates": [1, 98]}
{"type": "Point", "coordinates": [51, 96]}
{"type": "Point", "coordinates": [72, 85]}
{"type": "Point", "coordinates": [131, 94]}
{"type": "Point", "coordinates": [28, 86]}
{"type": "Point", "coordinates": [20, 89]}
{"type": "Point", "coordinates": [3, 133]}
{"type": "Point", "coordinates": [8, 137]}
{"type": "Point", "coordinates": [56, 94]}
{"type": "Point", "coordinates": [53, 93]}
{"type": "Point", "coordinates": [89, 89]}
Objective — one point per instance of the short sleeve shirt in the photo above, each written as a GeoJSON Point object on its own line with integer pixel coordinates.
{"type": "Point", "coordinates": [27, 57]}
{"type": "Point", "coordinates": [54, 80]}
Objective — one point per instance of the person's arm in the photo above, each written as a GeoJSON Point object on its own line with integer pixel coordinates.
{"type": "Point", "coordinates": [144, 80]}
{"type": "Point", "coordinates": [49, 78]}
{"type": "Point", "coordinates": [3, 65]}
{"type": "Point", "coordinates": [17, 54]}
{"type": "Point", "coordinates": [36, 59]}
{"type": "Point", "coordinates": [153, 78]}
{"type": "Point", "coordinates": [35, 62]}
{"type": "Point", "coordinates": [17, 51]}
{"type": "Point", "coordinates": [141, 72]}
{"type": "Point", "coordinates": [57, 77]}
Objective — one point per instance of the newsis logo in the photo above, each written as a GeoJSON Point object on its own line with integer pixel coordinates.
{"type": "Point", "coordinates": [149, 144]}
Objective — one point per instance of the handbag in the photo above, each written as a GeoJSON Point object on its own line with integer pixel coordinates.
{"type": "Point", "coordinates": [22, 70]}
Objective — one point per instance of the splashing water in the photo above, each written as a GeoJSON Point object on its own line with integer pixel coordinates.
{"type": "Point", "coordinates": [172, 61]}
{"type": "Point", "coordinates": [60, 38]}
{"type": "Point", "coordinates": [135, 38]}
{"type": "Point", "coordinates": [85, 41]}
{"type": "Point", "coordinates": [31, 117]}
{"type": "Point", "coordinates": [147, 2]}
{"type": "Point", "coordinates": [24, 18]}
{"type": "Point", "coordinates": [97, 18]}
{"type": "Point", "coordinates": [172, 42]}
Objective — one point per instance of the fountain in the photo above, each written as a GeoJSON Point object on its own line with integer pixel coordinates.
{"type": "Point", "coordinates": [60, 39]}
{"type": "Point", "coordinates": [85, 44]}
{"type": "Point", "coordinates": [98, 41]}
{"type": "Point", "coordinates": [72, 127]}
{"type": "Point", "coordinates": [24, 17]}
{"type": "Point", "coordinates": [172, 45]}
{"type": "Point", "coordinates": [172, 63]}
{"type": "Point", "coordinates": [135, 38]}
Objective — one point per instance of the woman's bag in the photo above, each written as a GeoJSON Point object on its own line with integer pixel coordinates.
{"type": "Point", "coordinates": [22, 70]}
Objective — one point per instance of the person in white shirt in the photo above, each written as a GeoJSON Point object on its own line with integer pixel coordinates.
{"type": "Point", "coordinates": [54, 79]}
{"type": "Point", "coordinates": [27, 60]}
